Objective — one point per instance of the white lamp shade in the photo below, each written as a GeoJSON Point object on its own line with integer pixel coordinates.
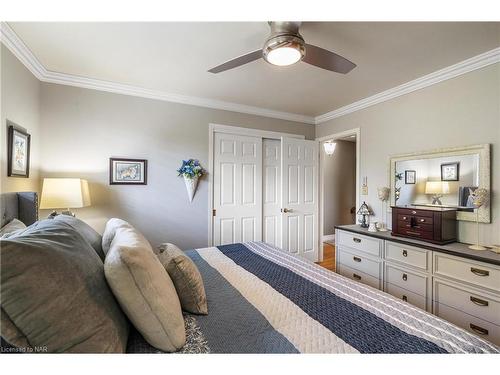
{"type": "Point", "coordinates": [329, 147]}
{"type": "Point", "coordinates": [437, 187]}
{"type": "Point", "coordinates": [64, 193]}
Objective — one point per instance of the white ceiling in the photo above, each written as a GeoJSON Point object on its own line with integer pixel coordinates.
{"type": "Point", "coordinates": [174, 57]}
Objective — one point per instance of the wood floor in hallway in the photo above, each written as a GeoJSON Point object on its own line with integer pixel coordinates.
{"type": "Point", "coordinates": [328, 257]}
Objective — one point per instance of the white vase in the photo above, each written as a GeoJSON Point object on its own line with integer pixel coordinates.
{"type": "Point", "coordinates": [191, 184]}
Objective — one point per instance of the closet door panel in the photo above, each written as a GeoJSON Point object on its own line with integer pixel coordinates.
{"type": "Point", "coordinates": [237, 189]}
{"type": "Point", "coordinates": [271, 187]}
{"type": "Point", "coordinates": [300, 197]}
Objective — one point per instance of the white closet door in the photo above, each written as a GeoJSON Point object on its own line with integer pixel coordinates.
{"type": "Point", "coordinates": [237, 189]}
{"type": "Point", "coordinates": [300, 197]}
{"type": "Point", "coordinates": [271, 194]}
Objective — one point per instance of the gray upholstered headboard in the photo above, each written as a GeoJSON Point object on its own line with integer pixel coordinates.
{"type": "Point", "coordinates": [22, 206]}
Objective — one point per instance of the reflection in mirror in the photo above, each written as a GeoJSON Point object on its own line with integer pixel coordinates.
{"type": "Point", "coordinates": [445, 181]}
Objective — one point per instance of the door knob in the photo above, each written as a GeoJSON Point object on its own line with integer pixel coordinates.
{"type": "Point", "coordinates": [286, 210]}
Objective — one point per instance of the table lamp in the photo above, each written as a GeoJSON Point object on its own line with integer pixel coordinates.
{"type": "Point", "coordinates": [64, 193]}
{"type": "Point", "coordinates": [364, 211]}
{"type": "Point", "coordinates": [437, 189]}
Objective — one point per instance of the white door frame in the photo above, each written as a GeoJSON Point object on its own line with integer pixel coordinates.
{"type": "Point", "coordinates": [219, 128]}
{"type": "Point", "coordinates": [333, 137]}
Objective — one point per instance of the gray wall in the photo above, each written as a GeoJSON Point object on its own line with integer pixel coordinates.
{"type": "Point", "coordinates": [83, 128]}
{"type": "Point", "coordinates": [19, 91]}
{"type": "Point", "coordinates": [457, 112]}
{"type": "Point", "coordinates": [339, 171]}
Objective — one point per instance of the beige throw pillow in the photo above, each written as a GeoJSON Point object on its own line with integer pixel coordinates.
{"type": "Point", "coordinates": [110, 230]}
{"type": "Point", "coordinates": [186, 277]}
{"type": "Point", "coordinates": [144, 290]}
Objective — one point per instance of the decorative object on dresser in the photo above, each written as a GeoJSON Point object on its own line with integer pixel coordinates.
{"type": "Point", "coordinates": [18, 151]}
{"type": "Point", "coordinates": [450, 281]}
{"type": "Point", "coordinates": [479, 197]}
{"type": "Point", "coordinates": [128, 171]}
{"type": "Point", "coordinates": [437, 189]}
{"type": "Point", "coordinates": [432, 224]}
{"type": "Point", "coordinates": [364, 211]}
{"type": "Point", "coordinates": [64, 193]}
{"type": "Point", "coordinates": [383, 195]}
{"type": "Point", "coordinates": [191, 170]}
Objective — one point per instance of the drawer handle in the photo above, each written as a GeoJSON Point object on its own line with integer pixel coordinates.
{"type": "Point", "coordinates": [405, 253]}
{"type": "Point", "coordinates": [355, 276]}
{"type": "Point", "coordinates": [479, 272]}
{"type": "Point", "coordinates": [357, 240]}
{"type": "Point", "coordinates": [405, 277]}
{"type": "Point", "coordinates": [404, 298]}
{"type": "Point", "coordinates": [478, 301]}
{"type": "Point", "coordinates": [356, 259]}
{"type": "Point", "coordinates": [422, 220]}
{"type": "Point", "coordinates": [479, 330]}
{"type": "Point", "coordinates": [404, 217]}
{"type": "Point", "coordinates": [413, 233]}
{"type": "Point", "coordinates": [414, 212]}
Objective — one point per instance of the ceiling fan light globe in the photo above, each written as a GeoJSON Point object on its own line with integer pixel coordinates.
{"type": "Point", "coordinates": [283, 56]}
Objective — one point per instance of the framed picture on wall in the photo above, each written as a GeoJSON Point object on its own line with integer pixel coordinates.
{"type": "Point", "coordinates": [410, 177]}
{"type": "Point", "coordinates": [450, 171]}
{"type": "Point", "coordinates": [128, 171]}
{"type": "Point", "coordinates": [18, 151]}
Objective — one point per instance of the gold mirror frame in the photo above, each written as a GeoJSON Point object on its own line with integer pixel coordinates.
{"type": "Point", "coordinates": [483, 150]}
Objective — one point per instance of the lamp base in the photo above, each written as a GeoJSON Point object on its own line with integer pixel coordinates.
{"type": "Point", "coordinates": [477, 247]}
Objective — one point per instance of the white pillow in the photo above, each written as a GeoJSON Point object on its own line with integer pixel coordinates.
{"type": "Point", "coordinates": [144, 290]}
{"type": "Point", "coordinates": [109, 232]}
{"type": "Point", "coordinates": [11, 227]}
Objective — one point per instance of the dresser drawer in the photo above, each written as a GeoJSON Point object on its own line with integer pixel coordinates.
{"type": "Point", "coordinates": [414, 212]}
{"type": "Point", "coordinates": [359, 262]}
{"type": "Point", "coordinates": [411, 256]}
{"type": "Point", "coordinates": [480, 305]}
{"type": "Point", "coordinates": [479, 327]}
{"type": "Point", "coordinates": [367, 244]}
{"type": "Point", "coordinates": [405, 279]}
{"type": "Point", "coordinates": [357, 275]}
{"type": "Point", "coordinates": [464, 270]}
{"type": "Point", "coordinates": [407, 296]}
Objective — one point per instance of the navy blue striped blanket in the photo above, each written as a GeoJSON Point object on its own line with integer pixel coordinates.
{"type": "Point", "coordinates": [264, 300]}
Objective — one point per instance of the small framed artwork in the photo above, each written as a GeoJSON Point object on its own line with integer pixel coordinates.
{"type": "Point", "coordinates": [18, 149]}
{"type": "Point", "coordinates": [450, 172]}
{"type": "Point", "coordinates": [410, 177]}
{"type": "Point", "coordinates": [128, 171]}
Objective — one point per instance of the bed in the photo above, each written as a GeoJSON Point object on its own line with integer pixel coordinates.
{"type": "Point", "coordinates": [264, 300]}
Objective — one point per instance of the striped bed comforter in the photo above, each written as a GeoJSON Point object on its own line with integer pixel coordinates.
{"type": "Point", "coordinates": [264, 300]}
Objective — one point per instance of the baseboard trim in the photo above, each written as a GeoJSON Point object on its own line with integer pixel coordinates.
{"type": "Point", "coordinates": [328, 238]}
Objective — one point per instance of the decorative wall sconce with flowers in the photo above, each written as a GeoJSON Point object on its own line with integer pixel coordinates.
{"type": "Point", "coordinates": [191, 170]}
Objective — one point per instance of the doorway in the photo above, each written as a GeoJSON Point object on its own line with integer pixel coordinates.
{"type": "Point", "coordinates": [339, 188]}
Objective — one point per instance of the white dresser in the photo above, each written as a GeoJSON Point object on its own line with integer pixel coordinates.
{"type": "Point", "coordinates": [451, 281]}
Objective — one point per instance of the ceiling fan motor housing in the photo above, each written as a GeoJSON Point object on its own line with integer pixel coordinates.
{"type": "Point", "coordinates": [284, 34]}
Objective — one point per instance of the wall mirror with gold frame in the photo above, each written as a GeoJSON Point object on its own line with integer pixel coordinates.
{"type": "Point", "coordinates": [444, 177]}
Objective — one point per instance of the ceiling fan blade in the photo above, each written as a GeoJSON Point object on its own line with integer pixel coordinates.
{"type": "Point", "coordinates": [242, 60]}
{"type": "Point", "coordinates": [325, 59]}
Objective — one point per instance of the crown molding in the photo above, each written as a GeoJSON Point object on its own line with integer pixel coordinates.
{"type": "Point", "coordinates": [463, 67]}
{"type": "Point", "coordinates": [10, 39]}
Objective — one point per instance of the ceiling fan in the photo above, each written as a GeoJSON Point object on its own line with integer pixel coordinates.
{"type": "Point", "coordinates": [285, 46]}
